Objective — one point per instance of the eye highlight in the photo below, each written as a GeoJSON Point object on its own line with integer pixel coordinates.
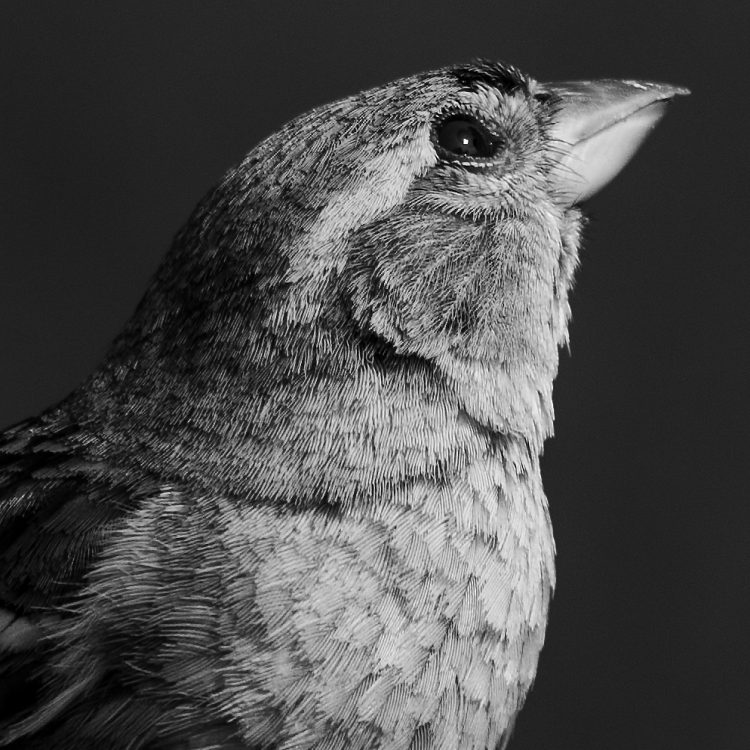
{"type": "Point", "coordinates": [463, 137]}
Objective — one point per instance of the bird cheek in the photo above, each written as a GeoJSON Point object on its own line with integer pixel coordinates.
{"type": "Point", "coordinates": [382, 310]}
{"type": "Point", "coordinates": [420, 280]}
{"type": "Point", "coordinates": [385, 279]}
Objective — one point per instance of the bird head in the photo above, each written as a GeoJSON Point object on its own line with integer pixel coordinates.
{"type": "Point", "coordinates": [432, 220]}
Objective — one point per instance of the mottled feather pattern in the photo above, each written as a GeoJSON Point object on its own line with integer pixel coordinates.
{"type": "Point", "coordinates": [299, 506]}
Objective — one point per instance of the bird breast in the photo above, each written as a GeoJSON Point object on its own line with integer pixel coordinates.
{"type": "Point", "coordinates": [425, 614]}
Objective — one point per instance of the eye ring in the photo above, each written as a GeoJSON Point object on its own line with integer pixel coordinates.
{"type": "Point", "coordinates": [463, 138]}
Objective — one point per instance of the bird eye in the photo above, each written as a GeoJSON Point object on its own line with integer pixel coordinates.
{"type": "Point", "coordinates": [462, 135]}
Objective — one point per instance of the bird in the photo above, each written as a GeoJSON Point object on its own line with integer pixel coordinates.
{"type": "Point", "coordinates": [299, 504]}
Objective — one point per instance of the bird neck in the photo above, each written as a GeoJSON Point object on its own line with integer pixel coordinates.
{"type": "Point", "coordinates": [334, 423]}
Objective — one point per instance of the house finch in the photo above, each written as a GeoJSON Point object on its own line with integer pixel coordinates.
{"type": "Point", "coordinates": [299, 505]}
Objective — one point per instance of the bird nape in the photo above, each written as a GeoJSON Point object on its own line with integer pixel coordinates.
{"type": "Point", "coordinates": [299, 505]}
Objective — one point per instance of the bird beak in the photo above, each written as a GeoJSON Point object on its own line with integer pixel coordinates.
{"type": "Point", "coordinates": [598, 127]}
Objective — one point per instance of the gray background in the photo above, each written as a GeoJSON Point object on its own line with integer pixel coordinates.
{"type": "Point", "coordinates": [116, 118]}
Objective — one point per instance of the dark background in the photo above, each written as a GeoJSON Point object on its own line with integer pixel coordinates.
{"type": "Point", "coordinates": [116, 119]}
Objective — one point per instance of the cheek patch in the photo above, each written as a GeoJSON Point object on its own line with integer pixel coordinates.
{"type": "Point", "coordinates": [434, 283]}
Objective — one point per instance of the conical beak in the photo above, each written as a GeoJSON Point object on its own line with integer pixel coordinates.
{"type": "Point", "coordinates": [598, 127]}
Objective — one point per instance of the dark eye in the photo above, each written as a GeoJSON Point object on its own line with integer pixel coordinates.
{"type": "Point", "coordinates": [462, 135]}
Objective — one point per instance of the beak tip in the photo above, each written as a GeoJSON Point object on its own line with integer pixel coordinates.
{"type": "Point", "coordinates": [660, 91]}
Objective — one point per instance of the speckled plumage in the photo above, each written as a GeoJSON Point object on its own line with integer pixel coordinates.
{"type": "Point", "coordinates": [299, 505]}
